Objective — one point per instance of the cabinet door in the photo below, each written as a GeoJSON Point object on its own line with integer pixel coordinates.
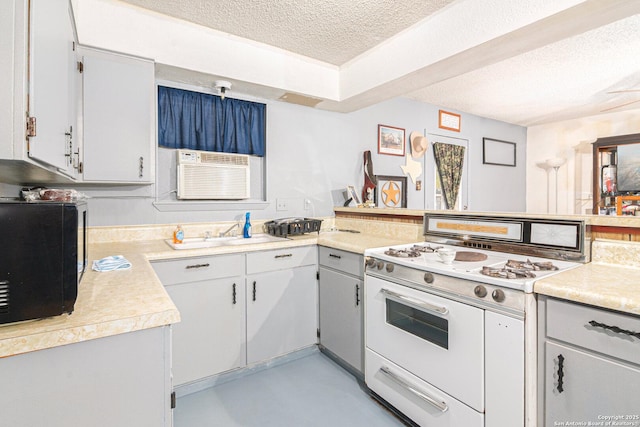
{"type": "Point", "coordinates": [51, 89]}
{"type": "Point", "coordinates": [210, 336]}
{"type": "Point", "coordinates": [591, 387]}
{"type": "Point", "coordinates": [282, 312]}
{"type": "Point", "coordinates": [341, 321]}
{"type": "Point", "coordinates": [117, 116]}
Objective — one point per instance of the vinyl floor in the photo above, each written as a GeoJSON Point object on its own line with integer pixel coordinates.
{"type": "Point", "coordinates": [312, 391]}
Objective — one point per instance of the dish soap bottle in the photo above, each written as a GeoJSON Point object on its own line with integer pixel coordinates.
{"type": "Point", "coordinates": [178, 235]}
{"type": "Point", "coordinates": [247, 226]}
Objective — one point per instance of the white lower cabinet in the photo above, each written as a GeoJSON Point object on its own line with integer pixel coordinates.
{"type": "Point", "coordinates": [120, 380]}
{"type": "Point", "coordinates": [210, 336]}
{"type": "Point", "coordinates": [282, 302]}
{"type": "Point", "coordinates": [586, 387]}
{"type": "Point", "coordinates": [589, 365]}
{"type": "Point", "coordinates": [209, 293]}
{"type": "Point", "coordinates": [239, 309]}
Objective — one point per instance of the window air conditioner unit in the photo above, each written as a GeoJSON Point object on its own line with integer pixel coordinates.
{"type": "Point", "coordinates": [214, 176]}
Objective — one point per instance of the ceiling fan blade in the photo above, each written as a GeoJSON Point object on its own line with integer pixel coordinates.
{"type": "Point", "coordinates": [618, 106]}
{"type": "Point", "coordinates": [624, 91]}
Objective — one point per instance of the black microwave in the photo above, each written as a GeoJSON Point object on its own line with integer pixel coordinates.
{"type": "Point", "coordinates": [43, 256]}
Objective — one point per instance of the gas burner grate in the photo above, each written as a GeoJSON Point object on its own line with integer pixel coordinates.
{"type": "Point", "coordinates": [518, 269]}
{"type": "Point", "coordinates": [412, 252]}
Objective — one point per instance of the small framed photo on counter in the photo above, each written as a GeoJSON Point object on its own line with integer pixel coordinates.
{"type": "Point", "coordinates": [391, 191]}
{"type": "Point", "coordinates": [353, 195]}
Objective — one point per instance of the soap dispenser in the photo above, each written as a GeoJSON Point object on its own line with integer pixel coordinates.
{"type": "Point", "coordinates": [247, 226]}
{"type": "Point", "coordinates": [178, 235]}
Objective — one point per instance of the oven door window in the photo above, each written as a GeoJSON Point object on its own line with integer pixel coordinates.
{"type": "Point", "coordinates": [419, 323]}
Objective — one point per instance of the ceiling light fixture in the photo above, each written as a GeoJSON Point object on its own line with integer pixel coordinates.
{"type": "Point", "coordinates": [223, 86]}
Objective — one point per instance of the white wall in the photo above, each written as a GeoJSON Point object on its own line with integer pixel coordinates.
{"type": "Point", "coordinates": [314, 154]}
{"type": "Point", "coordinates": [570, 139]}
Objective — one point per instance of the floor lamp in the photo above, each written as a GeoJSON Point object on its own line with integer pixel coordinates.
{"type": "Point", "coordinates": [555, 164]}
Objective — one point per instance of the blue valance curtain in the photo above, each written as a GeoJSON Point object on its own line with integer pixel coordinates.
{"type": "Point", "coordinates": [199, 121]}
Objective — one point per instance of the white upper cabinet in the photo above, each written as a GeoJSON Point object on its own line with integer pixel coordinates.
{"type": "Point", "coordinates": [37, 49]}
{"type": "Point", "coordinates": [118, 117]}
{"type": "Point", "coordinates": [51, 94]}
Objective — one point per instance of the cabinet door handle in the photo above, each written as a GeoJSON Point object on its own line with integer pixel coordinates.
{"type": "Point", "coordinates": [614, 329]}
{"type": "Point", "coordinates": [335, 256]}
{"type": "Point", "coordinates": [254, 290]}
{"type": "Point", "coordinates": [560, 387]}
{"type": "Point", "coordinates": [357, 294]}
{"type": "Point", "coordinates": [438, 404]}
{"type": "Point", "coordinates": [189, 267]}
{"type": "Point", "coordinates": [141, 167]}
{"type": "Point", "coordinates": [283, 256]}
{"type": "Point", "coordinates": [234, 294]}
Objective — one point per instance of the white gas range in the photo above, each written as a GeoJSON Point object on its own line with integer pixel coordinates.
{"type": "Point", "coordinates": [450, 344]}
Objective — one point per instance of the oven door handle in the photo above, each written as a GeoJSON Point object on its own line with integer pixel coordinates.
{"type": "Point", "coordinates": [414, 301]}
{"type": "Point", "coordinates": [438, 404]}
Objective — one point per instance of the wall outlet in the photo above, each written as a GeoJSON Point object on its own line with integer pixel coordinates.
{"type": "Point", "coordinates": [281, 205]}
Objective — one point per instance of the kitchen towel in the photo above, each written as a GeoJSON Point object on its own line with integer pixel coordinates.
{"type": "Point", "coordinates": [114, 262]}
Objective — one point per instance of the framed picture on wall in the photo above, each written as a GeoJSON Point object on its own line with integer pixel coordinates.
{"type": "Point", "coordinates": [390, 140]}
{"type": "Point", "coordinates": [448, 121]}
{"type": "Point", "coordinates": [497, 152]}
{"type": "Point", "coordinates": [391, 191]}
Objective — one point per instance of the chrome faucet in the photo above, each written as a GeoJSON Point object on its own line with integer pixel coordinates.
{"type": "Point", "coordinates": [224, 233]}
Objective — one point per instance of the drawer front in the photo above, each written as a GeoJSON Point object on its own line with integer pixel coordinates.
{"type": "Point", "coordinates": [347, 262]}
{"type": "Point", "coordinates": [199, 268]}
{"type": "Point", "coordinates": [410, 395]}
{"type": "Point", "coordinates": [594, 329]}
{"type": "Point", "coordinates": [281, 259]}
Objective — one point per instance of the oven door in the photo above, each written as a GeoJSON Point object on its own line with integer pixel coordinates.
{"type": "Point", "coordinates": [436, 339]}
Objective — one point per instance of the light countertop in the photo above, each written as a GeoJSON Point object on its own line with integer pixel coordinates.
{"type": "Point", "coordinates": [116, 302]}
{"type": "Point", "coordinates": [611, 280]}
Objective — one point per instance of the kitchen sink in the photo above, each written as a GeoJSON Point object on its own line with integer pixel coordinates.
{"type": "Point", "coordinates": [212, 242]}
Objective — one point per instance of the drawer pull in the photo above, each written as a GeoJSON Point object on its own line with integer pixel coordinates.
{"type": "Point", "coordinates": [614, 329]}
{"type": "Point", "coordinates": [188, 267]}
{"type": "Point", "coordinates": [335, 256]}
{"type": "Point", "coordinates": [560, 373]}
{"type": "Point", "coordinates": [234, 294]}
{"type": "Point", "coordinates": [438, 404]}
{"type": "Point", "coordinates": [284, 256]}
{"type": "Point", "coordinates": [414, 301]}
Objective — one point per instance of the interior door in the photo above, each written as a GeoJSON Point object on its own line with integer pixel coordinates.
{"type": "Point", "coordinates": [432, 193]}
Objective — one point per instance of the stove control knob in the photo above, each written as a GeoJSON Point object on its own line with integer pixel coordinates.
{"type": "Point", "coordinates": [480, 291]}
{"type": "Point", "coordinates": [371, 262]}
{"type": "Point", "coordinates": [389, 268]}
{"type": "Point", "coordinates": [498, 295]}
{"type": "Point", "coordinates": [380, 264]}
{"type": "Point", "coordinates": [428, 277]}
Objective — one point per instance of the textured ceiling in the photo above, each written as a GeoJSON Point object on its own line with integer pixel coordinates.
{"type": "Point", "coordinates": [332, 31]}
{"type": "Point", "coordinates": [572, 77]}
{"type": "Point", "coordinates": [557, 68]}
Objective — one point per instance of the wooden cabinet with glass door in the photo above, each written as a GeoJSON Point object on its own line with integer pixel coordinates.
{"type": "Point", "coordinates": [616, 173]}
